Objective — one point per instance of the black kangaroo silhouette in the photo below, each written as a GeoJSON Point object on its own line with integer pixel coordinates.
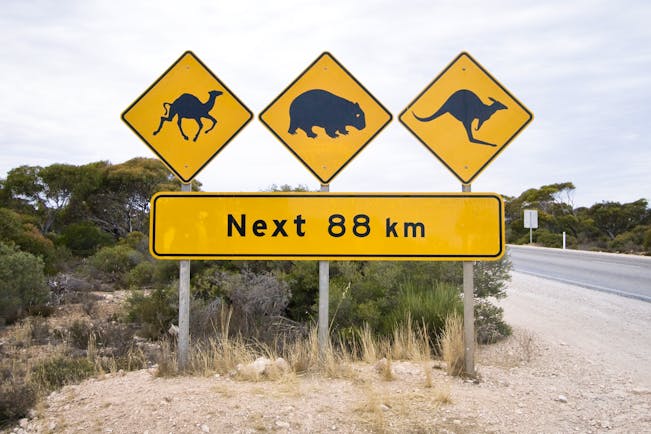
{"type": "Point", "coordinates": [188, 106]}
{"type": "Point", "coordinates": [465, 106]}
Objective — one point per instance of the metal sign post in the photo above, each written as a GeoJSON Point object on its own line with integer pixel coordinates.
{"type": "Point", "coordinates": [324, 298]}
{"type": "Point", "coordinates": [184, 306]}
{"type": "Point", "coordinates": [531, 222]}
{"type": "Point", "coordinates": [468, 310]}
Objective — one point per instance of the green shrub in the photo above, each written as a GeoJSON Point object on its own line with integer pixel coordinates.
{"type": "Point", "coordinates": [489, 323]}
{"type": "Point", "coordinates": [142, 275]}
{"type": "Point", "coordinates": [633, 241]}
{"type": "Point", "coordinates": [84, 239]}
{"type": "Point", "coordinates": [154, 312]}
{"type": "Point", "coordinates": [17, 397]}
{"type": "Point", "coordinates": [427, 305]}
{"type": "Point", "coordinates": [59, 371]}
{"type": "Point", "coordinates": [22, 283]}
{"type": "Point", "coordinates": [491, 277]}
{"type": "Point", "coordinates": [113, 263]}
{"type": "Point", "coordinates": [80, 332]}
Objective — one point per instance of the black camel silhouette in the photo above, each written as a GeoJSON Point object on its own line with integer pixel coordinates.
{"type": "Point", "coordinates": [465, 106]}
{"type": "Point", "coordinates": [188, 106]}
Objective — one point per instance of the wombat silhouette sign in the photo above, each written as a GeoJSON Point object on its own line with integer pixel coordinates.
{"type": "Point", "coordinates": [325, 117]}
{"type": "Point", "coordinates": [171, 114]}
{"type": "Point", "coordinates": [320, 108]}
{"type": "Point", "coordinates": [465, 117]}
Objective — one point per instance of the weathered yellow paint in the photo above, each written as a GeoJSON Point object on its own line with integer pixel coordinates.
{"type": "Point", "coordinates": [382, 226]}
{"type": "Point", "coordinates": [446, 137]}
{"type": "Point", "coordinates": [185, 158]}
{"type": "Point", "coordinates": [325, 156]}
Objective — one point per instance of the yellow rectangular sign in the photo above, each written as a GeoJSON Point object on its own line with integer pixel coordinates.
{"type": "Point", "coordinates": [327, 226]}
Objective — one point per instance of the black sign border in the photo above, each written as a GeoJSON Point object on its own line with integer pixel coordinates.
{"type": "Point", "coordinates": [513, 136]}
{"type": "Point", "coordinates": [254, 256]}
{"type": "Point", "coordinates": [223, 145]}
{"type": "Point", "coordinates": [322, 180]}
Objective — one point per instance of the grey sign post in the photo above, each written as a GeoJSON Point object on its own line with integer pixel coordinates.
{"type": "Point", "coordinates": [468, 310]}
{"type": "Point", "coordinates": [531, 222]}
{"type": "Point", "coordinates": [324, 298]}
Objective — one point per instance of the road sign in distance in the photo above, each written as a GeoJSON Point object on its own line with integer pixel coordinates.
{"type": "Point", "coordinates": [325, 117]}
{"type": "Point", "coordinates": [531, 218]}
{"type": "Point", "coordinates": [187, 116]}
{"type": "Point", "coordinates": [330, 226]}
{"type": "Point", "coordinates": [465, 117]}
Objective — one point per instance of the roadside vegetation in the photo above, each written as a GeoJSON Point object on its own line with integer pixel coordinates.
{"type": "Point", "coordinates": [80, 294]}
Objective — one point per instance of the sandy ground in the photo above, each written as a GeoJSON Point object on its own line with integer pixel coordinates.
{"type": "Point", "coordinates": [579, 361]}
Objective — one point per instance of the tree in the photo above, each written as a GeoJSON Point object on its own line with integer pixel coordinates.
{"type": "Point", "coordinates": [47, 191]}
{"type": "Point", "coordinates": [121, 204]}
{"type": "Point", "coordinates": [19, 230]}
{"type": "Point", "coordinates": [613, 218]}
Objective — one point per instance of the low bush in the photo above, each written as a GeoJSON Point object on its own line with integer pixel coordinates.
{"type": "Point", "coordinates": [427, 306]}
{"type": "Point", "coordinates": [17, 397]}
{"type": "Point", "coordinates": [84, 238]}
{"type": "Point", "coordinates": [59, 371]}
{"type": "Point", "coordinates": [154, 312]}
{"type": "Point", "coordinates": [23, 283]}
{"type": "Point", "coordinates": [114, 263]}
{"type": "Point", "coordinates": [489, 323]}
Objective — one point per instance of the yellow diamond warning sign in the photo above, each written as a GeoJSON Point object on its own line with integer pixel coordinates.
{"type": "Point", "coordinates": [465, 117]}
{"type": "Point", "coordinates": [187, 116]}
{"type": "Point", "coordinates": [325, 117]}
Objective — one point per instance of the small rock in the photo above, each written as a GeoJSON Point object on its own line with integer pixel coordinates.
{"type": "Point", "coordinates": [641, 391]}
{"type": "Point", "coordinates": [562, 398]}
{"type": "Point", "coordinates": [52, 426]}
{"type": "Point", "coordinates": [260, 364]}
{"type": "Point", "coordinates": [282, 424]}
{"type": "Point", "coordinates": [384, 407]}
{"type": "Point", "coordinates": [205, 428]}
{"type": "Point", "coordinates": [23, 422]}
{"type": "Point", "coordinates": [282, 365]}
{"type": "Point", "coordinates": [456, 422]}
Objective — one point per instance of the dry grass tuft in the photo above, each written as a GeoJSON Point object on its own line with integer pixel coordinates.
{"type": "Point", "coordinates": [369, 349]}
{"type": "Point", "coordinates": [372, 410]}
{"type": "Point", "coordinates": [443, 395]}
{"type": "Point", "coordinates": [428, 375]}
{"type": "Point", "coordinates": [451, 342]}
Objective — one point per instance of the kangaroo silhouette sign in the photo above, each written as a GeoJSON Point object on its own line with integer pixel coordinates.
{"type": "Point", "coordinates": [466, 107]}
{"type": "Point", "coordinates": [465, 117]}
{"type": "Point", "coordinates": [171, 114]}
{"type": "Point", "coordinates": [325, 117]}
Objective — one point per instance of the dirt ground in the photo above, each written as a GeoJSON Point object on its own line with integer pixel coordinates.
{"type": "Point", "coordinates": [579, 361]}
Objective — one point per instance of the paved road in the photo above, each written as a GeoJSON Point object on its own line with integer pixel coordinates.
{"type": "Point", "coordinates": [626, 275]}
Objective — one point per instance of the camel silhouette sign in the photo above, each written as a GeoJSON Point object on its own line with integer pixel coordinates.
{"type": "Point", "coordinates": [325, 117]}
{"type": "Point", "coordinates": [188, 106]}
{"type": "Point", "coordinates": [465, 117]}
{"type": "Point", "coordinates": [187, 116]}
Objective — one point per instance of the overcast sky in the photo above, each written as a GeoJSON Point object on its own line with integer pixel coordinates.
{"type": "Point", "coordinates": [69, 69]}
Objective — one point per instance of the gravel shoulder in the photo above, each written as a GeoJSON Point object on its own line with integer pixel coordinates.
{"type": "Point", "coordinates": [579, 361]}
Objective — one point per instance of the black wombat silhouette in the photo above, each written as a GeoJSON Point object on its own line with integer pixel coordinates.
{"type": "Point", "coordinates": [188, 106]}
{"type": "Point", "coordinates": [320, 108]}
{"type": "Point", "coordinates": [465, 106]}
